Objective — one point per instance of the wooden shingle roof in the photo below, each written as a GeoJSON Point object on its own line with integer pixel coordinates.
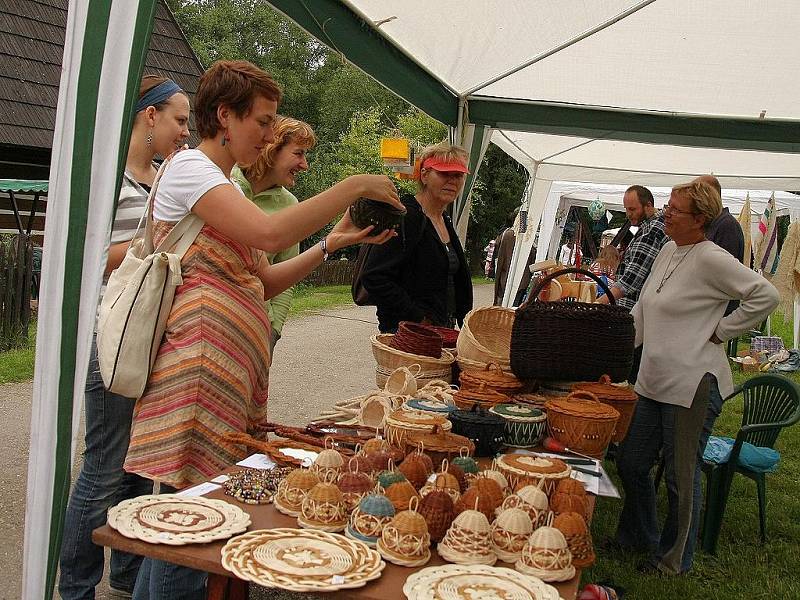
{"type": "Point", "coordinates": [31, 48]}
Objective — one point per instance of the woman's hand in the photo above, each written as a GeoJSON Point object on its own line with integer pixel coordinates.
{"type": "Point", "coordinates": [377, 187]}
{"type": "Point", "coordinates": [345, 233]}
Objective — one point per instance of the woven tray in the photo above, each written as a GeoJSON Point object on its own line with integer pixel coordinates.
{"type": "Point", "coordinates": [301, 560]}
{"type": "Point", "coordinates": [461, 582]}
{"type": "Point", "coordinates": [177, 520]}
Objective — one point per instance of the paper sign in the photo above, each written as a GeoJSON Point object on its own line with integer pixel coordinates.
{"type": "Point", "coordinates": [199, 490]}
{"type": "Point", "coordinates": [258, 461]}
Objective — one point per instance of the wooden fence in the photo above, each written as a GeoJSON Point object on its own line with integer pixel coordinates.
{"type": "Point", "coordinates": [16, 271]}
{"type": "Point", "coordinates": [335, 272]}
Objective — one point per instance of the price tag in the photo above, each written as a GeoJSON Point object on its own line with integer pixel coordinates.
{"type": "Point", "coordinates": [337, 580]}
{"type": "Point", "coordinates": [257, 461]}
{"type": "Point", "coordinates": [199, 490]}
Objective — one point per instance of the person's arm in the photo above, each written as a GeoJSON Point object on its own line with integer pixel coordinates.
{"type": "Point", "coordinates": [639, 259]}
{"type": "Point", "coordinates": [281, 303]}
{"type": "Point", "coordinates": [233, 215]}
{"type": "Point", "coordinates": [736, 282]}
{"type": "Point", "coordinates": [282, 276]}
{"type": "Point", "coordinates": [116, 252]}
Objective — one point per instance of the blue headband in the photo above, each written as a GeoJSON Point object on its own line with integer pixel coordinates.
{"type": "Point", "coordinates": [163, 91]}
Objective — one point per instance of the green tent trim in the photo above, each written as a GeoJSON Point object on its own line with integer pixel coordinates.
{"type": "Point", "coordinates": [24, 185]}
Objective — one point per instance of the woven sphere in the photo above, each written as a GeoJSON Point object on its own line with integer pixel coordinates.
{"type": "Point", "coordinates": [486, 492]}
{"type": "Point", "coordinates": [390, 476]}
{"type": "Point", "coordinates": [468, 540]}
{"type": "Point", "coordinates": [292, 490]}
{"type": "Point", "coordinates": [546, 556]}
{"type": "Point", "coordinates": [571, 496]}
{"type": "Point", "coordinates": [498, 477]}
{"type": "Point", "coordinates": [405, 540]}
{"type": "Point", "coordinates": [438, 510]}
{"type": "Point", "coordinates": [323, 508]}
{"type": "Point", "coordinates": [459, 474]}
{"type": "Point", "coordinates": [510, 532]}
{"type": "Point", "coordinates": [578, 536]}
{"type": "Point", "coordinates": [400, 494]}
{"type": "Point", "coordinates": [353, 486]}
{"type": "Point", "coordinates": [465, 463]}
{"type": "Point", "coordinates": [369, 518]}
{"type": "Point", "coordinates": [416, 469]}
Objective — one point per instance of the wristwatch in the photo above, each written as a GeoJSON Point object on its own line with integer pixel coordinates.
{"type": "Point", "coordinates": [323, 245]}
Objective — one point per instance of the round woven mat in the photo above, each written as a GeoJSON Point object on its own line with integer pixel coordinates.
{"type": "Point", "coordinates": [458, 582]}
{"type": "Point", "coordinates": [301, 560]}
{"type": "Point", "coordinates": [177, 520]}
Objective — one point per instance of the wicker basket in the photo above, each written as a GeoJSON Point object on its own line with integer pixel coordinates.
{"type": "Point", "coordinates": [491, 377]}
{"type": "Point", "coordinates": [468, 541]}
{"type": "Point", "coordinates": [482, 396]}
{"type": "Point", "coordinates": [620, 397]}
{"type": "Point", "coordinates": [323, 508]}
{"type": "Point", "coordinates": [523, 469]}
{"type": "Point", "coordinates": [525, 425]}
{"type": "Point", "coordinates": [570, 496]}
{"type": "Point", "coordinates": [533, 500]}
{"type": "Point", "coordinates": [400, 494]}
{"type": "Point", "coordinates": [438, 509]}
{"type": "Point", "coordinates": [486, 336]}
{"type": "Point", "coordinates": [438, 444]}
{"type": "Point", "coordinates": [449, 336]}
{"type": "Point", "coordinates": [510, 531]}
{"type": "Point", "coordinates": [417, 467]}
{"type": "Point", "coordinates": [582, 423]}
{"type": "Point", "coordinates": [417, 339]}
{"type": "Point", "coordinates": [546, 555]}
{"type": "Point", "coordinates": [483, 428]}
{"type": "Point", "coordinates": [574, 341]}
{"type": "Point", "coordinates": [388, 359]}
{"type": "Point", "coordinates": [405, 540]}
{"type": "Point", "coordinates": [372, 514]}
{"type": "Point", "coordinates": [579, 539]}
{"type": "Point", "coordinates": [484, 495]}
{"type": "Point", "coordinates": [401, 423]}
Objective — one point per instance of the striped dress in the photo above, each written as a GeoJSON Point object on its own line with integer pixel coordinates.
{"type": "Point", "coordinates": [211, 372]}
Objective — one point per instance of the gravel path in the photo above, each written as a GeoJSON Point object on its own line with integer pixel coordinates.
{"type": "Point", "coordinates": [323, 357]}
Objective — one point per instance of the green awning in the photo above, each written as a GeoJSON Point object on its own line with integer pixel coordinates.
{"type": "Point", "coordinates": [23, 185]}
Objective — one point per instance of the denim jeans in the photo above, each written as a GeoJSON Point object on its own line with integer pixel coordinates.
{"type": "Point", "coordinates": [653, 432]}
{"type": "Point", "coordinates": [102, 483]}
{"type": "Point", "coordinates": [159, 580]}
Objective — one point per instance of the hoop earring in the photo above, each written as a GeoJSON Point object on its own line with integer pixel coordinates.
{"type": "Point", "coordinates": [149, 139]}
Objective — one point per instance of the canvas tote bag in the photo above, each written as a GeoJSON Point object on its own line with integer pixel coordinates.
{"type": "Point", "coordinates": [138, 299]}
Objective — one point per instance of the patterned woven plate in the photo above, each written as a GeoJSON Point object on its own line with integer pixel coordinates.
{"type": "Point", "coordinates": [301, 560]}
{"type": "Point", "coordinates": [177, 520]}
{"type": "Point", "coordinates": [462, 582]}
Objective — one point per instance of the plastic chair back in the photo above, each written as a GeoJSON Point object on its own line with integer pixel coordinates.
{"type": "Point", "coordinates": [768, 399]}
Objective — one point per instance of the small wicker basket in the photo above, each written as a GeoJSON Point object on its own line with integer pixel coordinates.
{"type": "Point", "coordinates": [328, 461]}
{"type": "Point", "coordinates": [546, 556]}
{"type": "Point", "coordinates": [579, 539]}
{"type": "Point", "coordinates": [439, 445]}
{"type": "Point", "coordinates": [389, 358]}
{"type": "Point", "coordinates": [400, 494]}
{"type": "Point", "coordinates": [354, 485]}
{"type": "Point", "coordinates": [618, 396]}
{"type": "Point", "coordinates": [525, 469]}
{"type": "Point", "coordinates": [445, 481]}
{"type": "Point", "coordinates": [438, 509]}
{"type": "Point", "coordinates": [468, 541]}
{"type": "Point", "coordinates": [417, 467]}
{"type": "Point", "coordinates": [492, 377]}
{"type": "Point", "coordinates": [510, 531]}
{"type": "Point", "coordinates": [524, 425]}
{"type": "Point", "coordinates": [571, 496]}
{"type": "Point", "coordinates": [531, 499]}
{"type": "Point", "coordinates": [485, 336]}
{"type": "Point", "coordinates": [402, 422]}
{"type": "Point", "coordinates": [323, 508]}
{"type": "Point", "coordinates": [292, 490]}
{"type": "Point", "coordinates": [484, 495]}
{"type": "Point", "coordinates": [372, 514]}
{"type": "Point", "coordinates": [582, 423]}
{"type": "Point", "coordinates": [405, 540]}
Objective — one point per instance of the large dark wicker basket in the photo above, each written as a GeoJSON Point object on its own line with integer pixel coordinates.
{"type": "Point", "coordinates": [574, 341]}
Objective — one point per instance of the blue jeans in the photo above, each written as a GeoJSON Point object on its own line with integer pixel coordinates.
{"type": "Point", "coordinates": [102, 483]}
{"type": "Point", "coordinates": [653, 432]}
{"type": "Point", "coordinates": [159, 580]}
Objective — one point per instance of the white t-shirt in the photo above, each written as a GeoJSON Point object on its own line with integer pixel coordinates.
{"type": "Point", "coordinates": [190, 175]}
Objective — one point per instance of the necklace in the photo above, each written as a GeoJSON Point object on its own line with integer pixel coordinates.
{"type": "Point", "coordinates": [666, 276]}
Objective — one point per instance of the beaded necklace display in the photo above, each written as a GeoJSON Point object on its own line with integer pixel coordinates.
{"type": "Point", "coordinates": [666, 276]}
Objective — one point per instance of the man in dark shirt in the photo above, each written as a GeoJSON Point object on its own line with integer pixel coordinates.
{"type": "Point", "coordinates": [725, 232]}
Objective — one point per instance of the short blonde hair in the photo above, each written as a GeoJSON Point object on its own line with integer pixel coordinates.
{"type": "Point", "coordinates": [286, 130]}
{"type": "Point", "coordinates": [704, 199]}
{"type": "Point", "coordinates": [443, 151]}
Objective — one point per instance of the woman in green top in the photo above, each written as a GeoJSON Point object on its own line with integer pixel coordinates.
{"type": "Point", "coordinates": [266, 181]}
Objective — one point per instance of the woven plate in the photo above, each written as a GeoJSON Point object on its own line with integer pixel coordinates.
{"type": "Point", "coordinates": [460, 582]}
{"type": "Point", "coordinates": [301, 560]}
{"type": "Point", "coordinates": [177, 520]}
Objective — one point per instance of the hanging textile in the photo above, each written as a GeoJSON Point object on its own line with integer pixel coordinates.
{"type": "Point", "coordinates": [787, 277]}
{"type": "Point", "coordinates": [745, 222]}
{"type": "Point", "coordinates": [766, 241]}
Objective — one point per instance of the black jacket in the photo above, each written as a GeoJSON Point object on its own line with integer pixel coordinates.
{"type": "Point", "coordinates": [406, 277]}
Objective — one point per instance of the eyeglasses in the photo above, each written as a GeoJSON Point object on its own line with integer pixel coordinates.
{"type": "Point", "coordinates": [671, 209]}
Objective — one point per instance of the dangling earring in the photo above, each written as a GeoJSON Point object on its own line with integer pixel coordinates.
{"type": "Point", "coordinates": [149, 139]}
{"type": "Point", "coordinates": [225, 139]}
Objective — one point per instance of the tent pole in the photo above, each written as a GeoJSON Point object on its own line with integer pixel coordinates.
{"type": "Point", "coordinates": [510, 291]}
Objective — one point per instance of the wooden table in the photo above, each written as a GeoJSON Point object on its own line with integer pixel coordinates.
{"type": "Point", "coordinates": [222, 584]}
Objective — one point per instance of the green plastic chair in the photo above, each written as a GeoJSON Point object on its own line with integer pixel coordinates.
{"type": "Point", "coordinates": [771, 402]}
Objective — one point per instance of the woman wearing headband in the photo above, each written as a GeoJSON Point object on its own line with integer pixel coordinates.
{"type": "Point", "coordinates": [161, 126]}
{"type": "Point", "coordinates": [422, 275]}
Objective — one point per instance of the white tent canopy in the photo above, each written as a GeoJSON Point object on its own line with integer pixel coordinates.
{"type": "Point", "coordinates": [563, 195]}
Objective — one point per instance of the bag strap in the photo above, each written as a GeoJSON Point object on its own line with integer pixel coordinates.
{"type": "Point", "coordinates": [182, 235]}
{"type": "Point", "coordinates": [534, 294]}
{"type": "Point", "coordinates": [147, 217]}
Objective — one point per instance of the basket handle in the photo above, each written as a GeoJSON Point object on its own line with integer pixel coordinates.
{"type": "Point", "coordinates": [584, 395]}
{"type": "Point", "coordinates": [604, 379]}
{"type": "Point", "coordinates": [540, 285]}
